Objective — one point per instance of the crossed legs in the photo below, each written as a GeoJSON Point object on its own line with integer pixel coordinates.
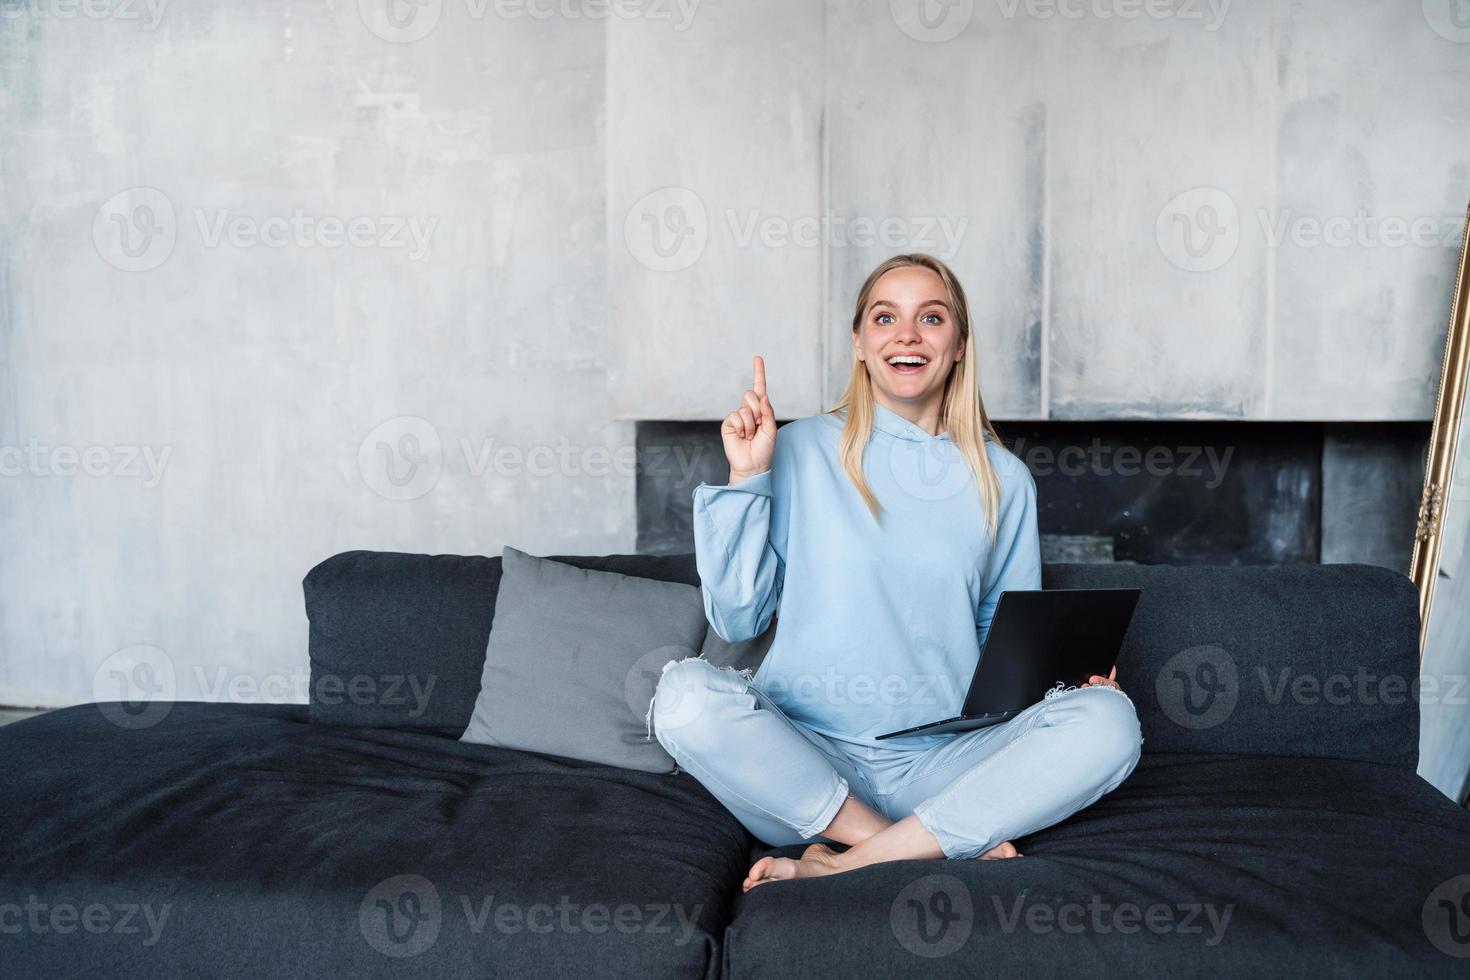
{"type": "Point", "coordinates": [969, 796]}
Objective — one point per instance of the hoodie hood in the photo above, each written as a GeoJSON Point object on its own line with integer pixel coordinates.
{"type": "Point", "coordinates": [889, 421]}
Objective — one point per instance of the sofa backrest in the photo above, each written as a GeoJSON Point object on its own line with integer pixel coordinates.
{"type": "Point", "coordinates": [398, 640]}
{"type": "Point", "coordinates": [1306, 660]}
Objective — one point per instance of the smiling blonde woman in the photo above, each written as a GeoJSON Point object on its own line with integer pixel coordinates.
{"type": "Point", "coordinates": [885, 530]}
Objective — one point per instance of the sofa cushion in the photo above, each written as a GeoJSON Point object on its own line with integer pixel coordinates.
{"type": "Point", "coordinates": [398, 640]}
{"type": "Point", "coordinates": [1203, 865]}
{"type": "Point", "coordinates": [239, 840]}
{"type": "Point", "coordinates": [1301, 660]}
{"type": "Point", "coordinates": [574, 658]}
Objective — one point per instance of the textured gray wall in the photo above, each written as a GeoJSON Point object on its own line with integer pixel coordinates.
{"type": "Point", "coordinates": [280, 280]}
{"type": "Point", "coordinates": [270, 376]}
{"type": "Point", "coordinates": [1173, 209]}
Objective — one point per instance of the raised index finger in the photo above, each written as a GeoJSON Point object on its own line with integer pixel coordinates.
{"type": "Point", "coordinates": [760, 376]}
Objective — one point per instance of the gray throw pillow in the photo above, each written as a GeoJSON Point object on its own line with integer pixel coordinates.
{"type": "Point", "coordinates": [573, 659]}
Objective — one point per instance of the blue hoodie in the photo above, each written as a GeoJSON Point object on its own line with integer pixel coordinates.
{"type": "Point", "coordinates": [878, 626]}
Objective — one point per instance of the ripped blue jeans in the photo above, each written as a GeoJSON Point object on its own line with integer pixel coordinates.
{"type": "Point", "coordinates": [972, 790]}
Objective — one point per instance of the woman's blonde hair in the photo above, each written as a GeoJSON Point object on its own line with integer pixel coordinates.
{"type": "Point", "coordinates": [963, 411]}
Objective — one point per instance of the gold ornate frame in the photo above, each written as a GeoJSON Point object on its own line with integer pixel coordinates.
{"type": "Point", "coordinates": [1443, 438]}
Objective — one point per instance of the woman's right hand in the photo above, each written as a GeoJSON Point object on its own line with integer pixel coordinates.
{"type": "Point", "coordinates": [749, 432]}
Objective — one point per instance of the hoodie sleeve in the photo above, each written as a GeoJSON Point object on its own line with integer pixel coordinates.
{"type": "Point", "coordinates": [1015, 561]}
{"type": "Point", "coordinates": [740, 572]}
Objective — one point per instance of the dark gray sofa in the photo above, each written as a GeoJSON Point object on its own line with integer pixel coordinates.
{"type": "Point", "coordinates": [1274, 827]}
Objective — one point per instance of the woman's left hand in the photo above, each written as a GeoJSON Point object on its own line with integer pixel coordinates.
{"type": "Point", "coordinates": [1097, 680]}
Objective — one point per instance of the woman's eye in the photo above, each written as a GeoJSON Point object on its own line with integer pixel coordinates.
{"type": "Point", "coordinates": [933, 318]}
{"type": "Point", "coordinates": [883, 317]}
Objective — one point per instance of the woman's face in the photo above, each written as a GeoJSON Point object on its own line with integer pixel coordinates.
{"type": "Point", "coordinates": [909, 314]}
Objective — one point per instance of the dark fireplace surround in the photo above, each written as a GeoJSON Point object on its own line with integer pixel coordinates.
{"type": "Point", "coordinates": [1149, 491]}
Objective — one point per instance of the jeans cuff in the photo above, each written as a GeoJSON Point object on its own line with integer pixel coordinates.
{"type": "Point", "coordinates": [828, 813]}
{"type": "Point", "coordinates": [953, 847]}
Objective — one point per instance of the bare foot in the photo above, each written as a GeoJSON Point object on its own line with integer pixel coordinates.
{"type": "Point", "coordinates": [817, 859]}
{"type": "Point", "coordinates": [1005, 849]}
